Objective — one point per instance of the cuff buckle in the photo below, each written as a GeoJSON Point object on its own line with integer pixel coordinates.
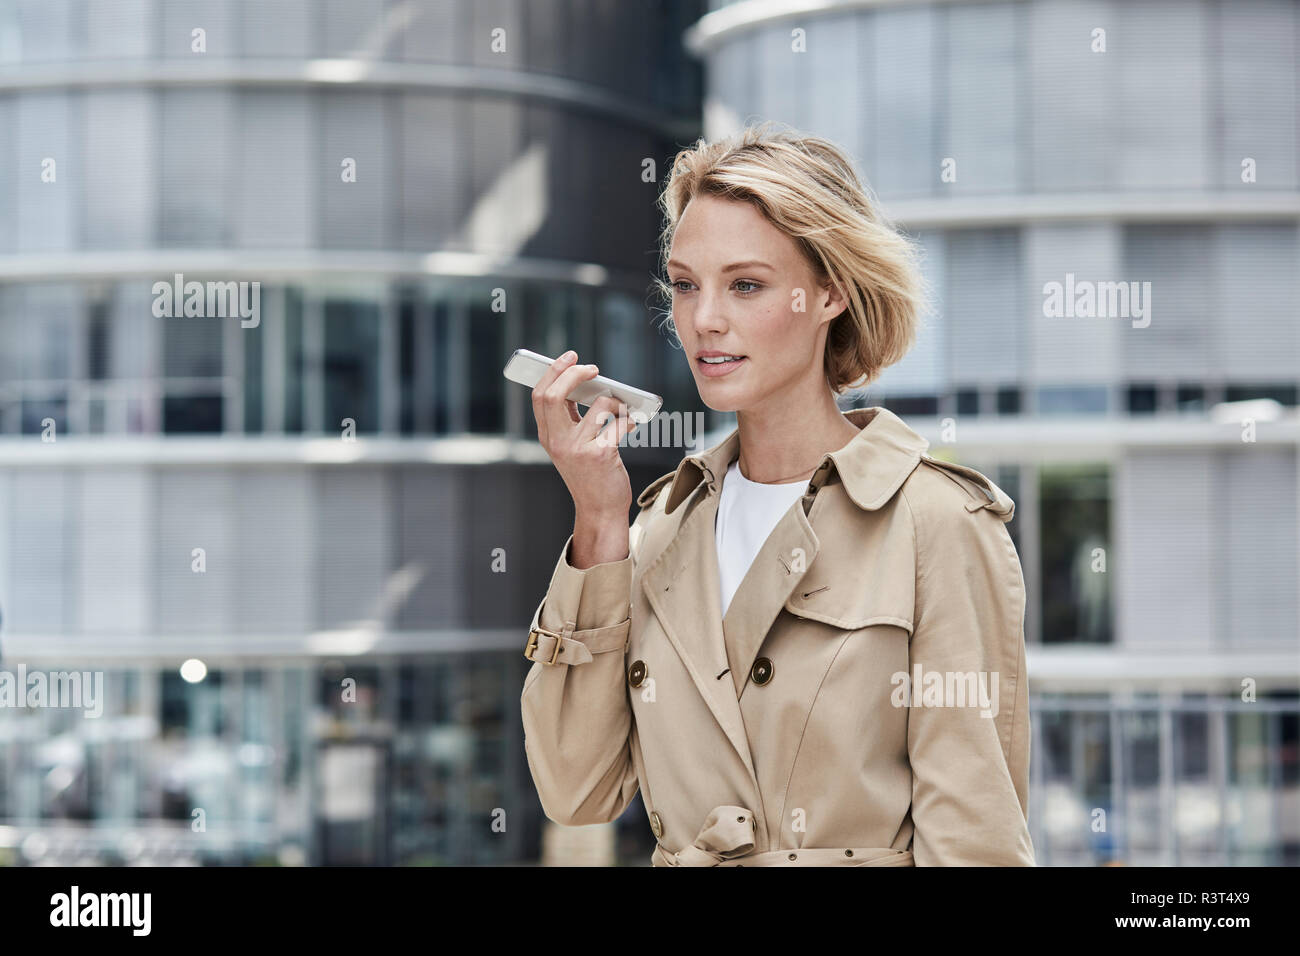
{"type": "Point", "coordinates": [532, 645]}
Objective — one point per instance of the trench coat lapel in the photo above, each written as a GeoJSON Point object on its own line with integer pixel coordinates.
{"type": "Point", "coordinates": [682, 587]}
{"type": "Point", "coordinates": [682, 582]}
{"type": "Point", "coordinates": [775, 573]}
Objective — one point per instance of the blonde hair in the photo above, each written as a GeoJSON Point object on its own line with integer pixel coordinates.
{"type": "Point", "coordinates": [807, 188]}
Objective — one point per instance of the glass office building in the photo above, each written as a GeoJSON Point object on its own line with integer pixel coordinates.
{"type": "Point", "coordinates": [1151, 144]}
{"type": "Point", "coordinates": [418, 188]}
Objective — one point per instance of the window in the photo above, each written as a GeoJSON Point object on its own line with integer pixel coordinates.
{"type": "Point", "coordinates": [913, 405]}
{"type": "Point", "coordinates": [983, 92]}
{"type": "Point", "coordinates": [1069, 400]}
{"type": "Point", "coordinates": [1009, 401]}
{"type": "Point", "coordinates": [899, 71]}
{"type": "Point", "coordinates": [982, 286]}
{"type": "Point", "coordinates": [295, 361]}
{"type": "Point", "coordinates": [252, 340]}
{"type": "Point", "coordinates": [276, 168]}
{"type": "Point", "coordinates": [441, 355]}
{"type": "Point", "coordinates": [1192, 740]}
{"type": "Point", "coordinates": [1074, 503]}
{"type": "Point", "coordinates": [192, 385]}
{"type": "Point", "coordinates": [192, 413]}
{"type": "Point", "coordinates": [197, 194]}
{"type": "Point", "coordinates": [1142, 758]}
{"type": "Point", "coordinates": [97, 340]}
{"type": "Point", "coordinates": [351, 365]}
{"type": "Point", "coordinates": [354, 210]}
{"type": "Point", "coordinates": [119, 198]}
{"type": "Point", "coordinates": [620, 319]}
{"type": "Point", "coordinates": [1141, 399]}
{"type": "Point", "coordinates": [487, 357]}
{"type": "Point", "coordinates": [1191, 398]}
{"type": "Point", "coordinates": [408, 314]}
{"type": "Point", "coordinates": [1285, 394]}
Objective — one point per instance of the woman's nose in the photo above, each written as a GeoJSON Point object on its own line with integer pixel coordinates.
{"type": "Point", "coordinates": [708, 315]}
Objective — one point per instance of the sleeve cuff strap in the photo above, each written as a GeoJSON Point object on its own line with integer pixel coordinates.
{"type": "Point", "coordinates": [575, 647]}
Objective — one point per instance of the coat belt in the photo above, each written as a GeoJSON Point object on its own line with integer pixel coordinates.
{"type": "Point", "coordinates": [727, 839]}
{"type": "Point", "coordinates": [728, 832]}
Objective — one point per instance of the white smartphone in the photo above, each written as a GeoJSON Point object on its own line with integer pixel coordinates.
{"type": "Point", "coordinates": [527, 367]}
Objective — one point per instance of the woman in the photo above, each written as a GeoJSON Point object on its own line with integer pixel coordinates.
{"type": "Point", "coordinates": [808, 649]}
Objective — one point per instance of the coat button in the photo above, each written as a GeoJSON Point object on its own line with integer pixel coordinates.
{"type": "Point", "coordinates": [636, 673]}
{"type": "Point", "coordinates": [761, 672]}
{"type": "Point", "coordinates": [656, 826]}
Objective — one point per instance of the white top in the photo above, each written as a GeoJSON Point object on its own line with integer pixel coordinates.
{"type": "Point", "coordinates": [747, 513]}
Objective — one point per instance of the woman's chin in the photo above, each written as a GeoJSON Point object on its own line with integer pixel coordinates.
{"type": "Point", "coordinates": [722, 406]}
{"type": "Point", "coordinates": [720, 399]}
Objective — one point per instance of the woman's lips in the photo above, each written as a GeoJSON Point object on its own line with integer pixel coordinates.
{"type": "Point", "coordinates": [718, 369]}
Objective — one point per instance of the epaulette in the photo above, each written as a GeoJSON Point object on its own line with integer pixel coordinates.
{"type": "Point", "coordinates": [985, 493]}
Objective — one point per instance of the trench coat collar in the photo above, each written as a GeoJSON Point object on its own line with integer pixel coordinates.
{"type": "Point", "coordinates": [872, 465]}
{"type": "Point", "coordinates": [681, 583]}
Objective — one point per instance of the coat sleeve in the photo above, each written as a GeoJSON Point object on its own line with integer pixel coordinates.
{"type": "Point", "coordinates": [970, 763]}
{"type": "Point", "coordinates": [576, 714]}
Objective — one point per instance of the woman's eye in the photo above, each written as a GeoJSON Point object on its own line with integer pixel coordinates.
{"type": "Point", "coordinates": [752, 286]}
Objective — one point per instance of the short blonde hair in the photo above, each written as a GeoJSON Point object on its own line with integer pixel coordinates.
{"type": "Point", "coordinates": [807, 188]}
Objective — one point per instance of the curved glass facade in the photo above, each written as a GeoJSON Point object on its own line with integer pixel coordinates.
{"type": "Point", "coordinates": [348, 142]}
{"type": "Point", "coordinates": [1022, 96]}
{"type": "Point", "coordinates": [142, 167]}
{"type": "Point", "coordinates": [397, 356]}
{"type": "Point", "coordinates": [1021, 112]}
{"type": "Point", "coordinates": [418, 188]}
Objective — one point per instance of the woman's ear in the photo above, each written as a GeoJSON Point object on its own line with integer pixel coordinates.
{"type": "Point", "coordinates": [835, 304]}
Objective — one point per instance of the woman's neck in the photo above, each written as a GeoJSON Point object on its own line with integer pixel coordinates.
{"type": "Point", "coordinates": [785, 446]}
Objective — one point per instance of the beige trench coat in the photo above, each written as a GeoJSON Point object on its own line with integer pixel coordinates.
{"type": "Point", "coordinates": [785, 733]}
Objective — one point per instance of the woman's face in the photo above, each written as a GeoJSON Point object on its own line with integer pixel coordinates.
{"type": "Point", "coordinates": [742, 288]}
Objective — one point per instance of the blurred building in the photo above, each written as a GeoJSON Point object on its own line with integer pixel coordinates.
{"type": "Point", "coordinates": [419, 188]}
{"type": "Point", "coordinates": [1071, 141]}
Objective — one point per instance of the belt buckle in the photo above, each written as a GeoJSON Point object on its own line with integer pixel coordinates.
{"type": "Point", "coordinates": [531, 647]}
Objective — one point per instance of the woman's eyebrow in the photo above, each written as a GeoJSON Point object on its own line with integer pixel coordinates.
{"type": "Point", "coordinates": [749, 264]}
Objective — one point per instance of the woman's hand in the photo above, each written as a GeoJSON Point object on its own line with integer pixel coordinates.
{"type": "Point", "coordinates": [585, 451]}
